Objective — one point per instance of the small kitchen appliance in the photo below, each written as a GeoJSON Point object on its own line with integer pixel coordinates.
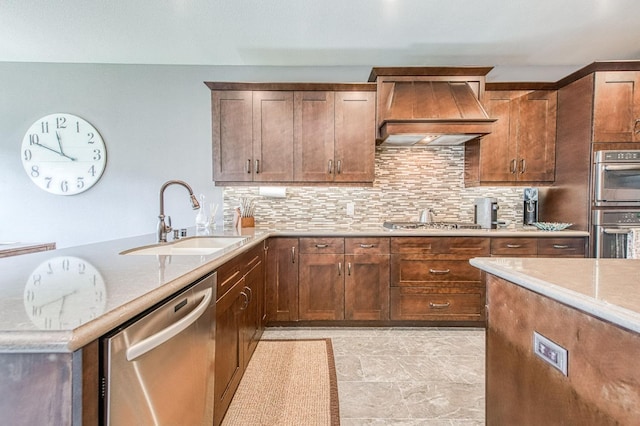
{"type": "Point", "coordinates": [530, 208]}
{"type": "Point", "coordinates": [485, 212]}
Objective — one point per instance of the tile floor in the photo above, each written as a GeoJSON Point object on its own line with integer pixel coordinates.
{"type": "Point", "coordinates": [405, 376]}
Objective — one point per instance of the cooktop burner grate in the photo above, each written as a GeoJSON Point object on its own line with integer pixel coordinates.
{"type": "Point", "coordinates": [430, 225]}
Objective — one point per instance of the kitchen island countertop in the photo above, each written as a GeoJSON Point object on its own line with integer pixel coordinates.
{"type": "Point", "coordinates": [604, 288]}
{"type": "Point", "coordinates": [128, 285]}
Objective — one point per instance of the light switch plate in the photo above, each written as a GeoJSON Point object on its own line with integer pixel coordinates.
{"type": "Point", "coordinates": [550, 352]}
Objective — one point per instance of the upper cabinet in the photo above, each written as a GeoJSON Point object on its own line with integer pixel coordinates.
{"type": "Point", "coordinates": [616, 114]}
{"type": "Point", "coordinates": [293, 133]}
{"type": "Point", "coordinates": [521, 145]}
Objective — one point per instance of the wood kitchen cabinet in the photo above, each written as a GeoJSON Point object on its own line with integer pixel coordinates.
{"type": "Point", "coordinates": [293, 132]}
{"type": "Point", "coordinates": [344, 279]}
{"type": "Point", "coordinates": [539, 247]}
{"type": "Point", "coordinates": [432, 280]}
{"type": "Point", "coordinates": [252, 133]}
{"type": "Point", "coordinates": [521, 146]}
{"type": "Point", "coordinates": [238, 323]}
{"type": "Point", "coordinates": [282, 280]}
{"type": "Point", "coordinates": [334, 136]}
{"type": "Point", "coordinates": [616, 111]}
{"type": "Point", "coordinates": [321, 279]}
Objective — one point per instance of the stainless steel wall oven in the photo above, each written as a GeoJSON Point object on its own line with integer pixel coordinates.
{"type": "Point", "coordinates": [612, 232]}
{"type": "Point", "coordinates": [616, 178]}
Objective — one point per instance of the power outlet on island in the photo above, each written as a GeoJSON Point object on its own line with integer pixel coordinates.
{"type": "Point", "coordinates": [351, 209]}
{"type": "Point", "coordinates": [550, 352]}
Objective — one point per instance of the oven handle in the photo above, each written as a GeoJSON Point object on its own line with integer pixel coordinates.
{"type": "Point", "coordinates": [616, 230]}
{"type": "Point", "coordinates": [162, 336]}
{"type": "Point", "coordinates": [615, 167]}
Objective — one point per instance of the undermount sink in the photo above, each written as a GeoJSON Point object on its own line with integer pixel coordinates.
{"type": "Point", "coordinates": [188, 246]}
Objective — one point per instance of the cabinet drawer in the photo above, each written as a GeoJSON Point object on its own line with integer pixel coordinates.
{"type": "Point", "coordinates": [367, 245]}
{"type": "Point", "coordinates": [514, 246]}
{"type": "Point", "coordinates": [431, 304]}
{"type": "Point", "coordinates": [418, 270]}
{"type": "Point", "coordinates": [321, 245]}
{"type": "Point", "coordinates": [561, 247]}
{"type": "Point", "coordinates": [229, 274]}
{"type": "Point", "coordinates": [442, 247]}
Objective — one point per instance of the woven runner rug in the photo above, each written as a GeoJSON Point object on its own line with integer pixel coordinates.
{"type": "Point", "coordinates": [287, 382]}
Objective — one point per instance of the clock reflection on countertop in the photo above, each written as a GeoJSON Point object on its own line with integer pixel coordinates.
{"type": "Point", "coordinates": [63, 293]}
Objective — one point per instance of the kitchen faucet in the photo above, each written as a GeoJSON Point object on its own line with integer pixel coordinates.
{"type": "Point", "coordinates": [165, 228]}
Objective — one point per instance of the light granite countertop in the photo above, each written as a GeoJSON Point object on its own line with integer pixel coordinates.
{"type": "Point", "coordinates": [61, 300]}
{"type": "Point", "coordinates": [604, 288]}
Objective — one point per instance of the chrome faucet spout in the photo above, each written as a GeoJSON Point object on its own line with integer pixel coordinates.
{"type": "Point", "coordinates": [164, 227]}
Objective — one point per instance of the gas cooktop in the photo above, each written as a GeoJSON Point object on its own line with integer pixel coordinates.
{"type": "Point", "coordinates": [430, 225]}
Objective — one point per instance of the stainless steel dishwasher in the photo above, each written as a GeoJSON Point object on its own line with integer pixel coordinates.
{"type": "Point", "coordinates": [158, 369]}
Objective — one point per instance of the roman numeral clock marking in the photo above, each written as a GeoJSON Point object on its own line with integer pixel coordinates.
{"type": "Point", "coordinates": [63, 154]}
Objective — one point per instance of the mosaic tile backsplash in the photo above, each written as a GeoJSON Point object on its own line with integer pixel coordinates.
{"type": "Point", "coordinates": [407, 180]}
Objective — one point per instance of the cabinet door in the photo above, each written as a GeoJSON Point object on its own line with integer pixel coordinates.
{"type": "Point", "coordinates": [251, 317]}
{"type": "Point", "coordinates": [229, 361]}
{"type": "Point", "coordinates": [282, 279]}
{"type": "Point", "coordinates": [354, 136]}
{"type": "Point", "coordinates": [497, 150]}
{"type": "Point", "coordinates": [321, 287]}
{"type": "Point", "coordinates": [616, 116]}
{"type": "Point", "coordinates": [313, 136]}
{"type": "Point", "coordinates": [272, 136]}
{"type": "Point", "coordinates": [366, 287]}
{"type": "Point", "coordinates": [536, 136]}
{"type": "Point", "coordinates": [231, 120]}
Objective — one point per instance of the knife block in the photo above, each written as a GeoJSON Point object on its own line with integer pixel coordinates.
{"type": "Point", "coordinates": [247, 222]}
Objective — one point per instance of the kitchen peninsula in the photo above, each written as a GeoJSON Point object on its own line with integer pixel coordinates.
{"type": "Point", "coordinates": [124, 287]}
{"type": "Point", "coordinates": [589, 308]}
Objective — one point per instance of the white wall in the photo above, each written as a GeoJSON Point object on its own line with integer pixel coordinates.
{"type": "Point", "coordinates": [156, 124]}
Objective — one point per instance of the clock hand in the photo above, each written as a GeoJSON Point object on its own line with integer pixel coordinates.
{"type": "Point", "coordinates": [54, 150]}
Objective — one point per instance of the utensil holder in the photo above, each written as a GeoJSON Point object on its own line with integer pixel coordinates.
{"type": "Point", "coordinates": [247, 222]}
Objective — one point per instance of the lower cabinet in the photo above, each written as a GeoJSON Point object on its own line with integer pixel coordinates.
{"type": "Point", "coordinates": [432, 280]}
{"type": "Point", "coordinates": [282, 279]}
{"type": "Point", "coordinates": [238, 323]}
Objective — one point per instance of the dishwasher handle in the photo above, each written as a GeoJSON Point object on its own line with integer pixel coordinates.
{"type": "Point", "coordinates": [162, 336]}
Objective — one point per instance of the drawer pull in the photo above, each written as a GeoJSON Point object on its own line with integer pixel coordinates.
{"type": "Point", "coordinates": [514, 245]}
{"type": "Point", "coordinates": [560, 246]}
{"type": "Point", "coordinates": [339, 269]}
{"type": "Point", "coordinates": [330, 169]}
{"type": "Point", "coordinates": [245, 304]}
{"type": "Point", "coordinates": [439, 271]}
{"type": "Point", "coordinates": [248, 166]}
{"type": "Point", "coordinates": [250, 293]}
{"type": "Point", "coordinates": [367, 245]}
{"type": "Point", "coordinates": [349, 268]}
{"type": "Point", "coordinates": [322, 245]}
{"type": "Point", "coordinates": [293, 254]}
{"type": "Point", "coordinates": [439, 305]}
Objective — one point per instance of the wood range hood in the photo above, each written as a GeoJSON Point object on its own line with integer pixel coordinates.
{"type": "Point", "coordinates": [430, 105]}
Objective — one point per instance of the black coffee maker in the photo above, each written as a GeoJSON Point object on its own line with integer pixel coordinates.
{"type": "Point", "coordinates": [530, 213]}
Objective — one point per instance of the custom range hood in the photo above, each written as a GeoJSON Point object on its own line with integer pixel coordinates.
{"type": "Point", "coordinates": [430, 105]}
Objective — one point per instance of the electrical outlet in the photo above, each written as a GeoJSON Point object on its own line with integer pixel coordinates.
{"type": "Point", "coordinates": [351, 209]}
{"type": "Point", "coordinates": [550, 352]}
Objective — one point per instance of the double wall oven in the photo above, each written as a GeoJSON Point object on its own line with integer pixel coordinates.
{"type": "Point", "coordinates": [616, 202]}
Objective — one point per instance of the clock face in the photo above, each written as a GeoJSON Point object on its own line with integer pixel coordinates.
{"type": "Point", "coordinates": [63, 154]}
{"type": "Point", "coordinates": [63, 293]}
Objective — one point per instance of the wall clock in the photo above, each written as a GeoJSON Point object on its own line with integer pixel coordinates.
{"type": "Point", "coordinates": [63, 293]}
{"type": "Point", "coordinates": [63, 154]}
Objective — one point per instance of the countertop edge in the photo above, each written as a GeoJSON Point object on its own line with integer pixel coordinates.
{"type": "Point", "coordinates": [606, 311]}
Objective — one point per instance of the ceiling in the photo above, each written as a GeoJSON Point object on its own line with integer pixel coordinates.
{"type": "Point", "coordinates": [534, 40]}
